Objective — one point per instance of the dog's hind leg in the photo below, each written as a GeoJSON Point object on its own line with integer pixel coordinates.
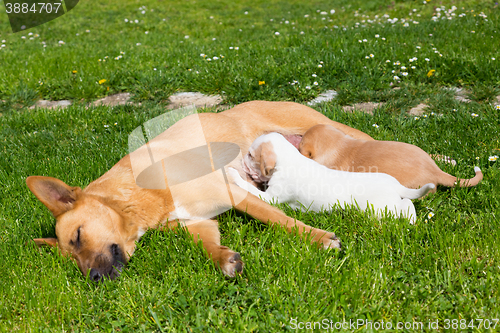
{"type": "Point", "coordinates": [407, 210]}
{"type": "Point", "coordinates": [207, 231]}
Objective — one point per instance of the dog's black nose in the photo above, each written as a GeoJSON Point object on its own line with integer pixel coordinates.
{"type": "Point", "coordinates": [94, 275]}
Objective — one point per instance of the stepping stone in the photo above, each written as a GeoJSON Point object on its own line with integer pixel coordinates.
{"type": "Point", "coordinates": [197, 99]}
{"type": "Point", "coordinates": [51, 104]}
{"type": "Point", "coordinates": [113, 100]}
{"type": "Point", "coordinates": [418, 110]}
{"type": "Point", "coordinates": [460, 94]}
{"type": "Point", "coordinates": [323, 97]}
{"type": "Point", "coordinates": [367, 107]}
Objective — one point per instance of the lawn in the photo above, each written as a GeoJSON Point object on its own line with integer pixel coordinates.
{"type": "Point", "coordinates": [444, 270]}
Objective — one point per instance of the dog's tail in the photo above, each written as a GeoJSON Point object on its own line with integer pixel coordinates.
{"type": "Point", "coordinates": [410, 193]}
{"type": "Point", "coordinates": [450, 181]}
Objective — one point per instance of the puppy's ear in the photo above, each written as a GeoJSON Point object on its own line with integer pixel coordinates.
{"type": "Point", "coordinates": [306, 149]}
{"type": "Point", "coordinates": [45, 242]}
{"type": "Point", "coordinates": [267, 159]}
{"type": "Point", "coordinates": [53, 193]}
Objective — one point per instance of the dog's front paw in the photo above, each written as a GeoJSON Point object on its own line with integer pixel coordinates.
{"type": "Point", "coordinates": [331, 242]}
{"type": "Point", "coordinates": [232, 265]}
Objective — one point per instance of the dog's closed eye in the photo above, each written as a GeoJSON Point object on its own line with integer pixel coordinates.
{"type": "Point", "coordinates": [76, 242]}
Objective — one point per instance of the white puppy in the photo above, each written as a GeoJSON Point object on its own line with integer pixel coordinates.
{"type": "Point", "coordinates": [303, 183]}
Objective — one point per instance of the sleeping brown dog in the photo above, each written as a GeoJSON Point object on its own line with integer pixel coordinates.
{"type": "Point", "coordinates": [409, 164]}
{"type": "Point", "coordinates": [99, 225]}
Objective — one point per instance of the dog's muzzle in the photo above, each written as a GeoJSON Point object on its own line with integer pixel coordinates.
{"type": "Point", "coordinates": [108, 269]}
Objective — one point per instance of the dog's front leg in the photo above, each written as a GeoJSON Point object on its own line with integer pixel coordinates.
{"type": "Point", "coordinates": [272, 215]}
{"type": "Point", "coordinates": [207, 231]}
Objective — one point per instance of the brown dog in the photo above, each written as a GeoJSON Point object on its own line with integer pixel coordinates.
{"type": "Point", "coordinates": [409, 164]}
{"type": "Point", "coordinates": [99, 226]}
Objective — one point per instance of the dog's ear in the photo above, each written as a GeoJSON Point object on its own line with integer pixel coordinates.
{"type": "Point", "coordinates": [45, 242]}
{"type": "Point", "coordinates": [267, 159]}
{"type": "Point", "coordinates": [307, 150]}
{"type": "Point", "coordinates": [53, 193]}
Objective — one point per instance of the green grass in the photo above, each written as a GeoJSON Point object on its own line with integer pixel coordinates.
{"type": "Point", "coordinates": [447, 267]}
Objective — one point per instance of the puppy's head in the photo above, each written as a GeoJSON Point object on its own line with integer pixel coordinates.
{"type": "Point", "coordinates": [260, 160]}
{"type": "Point", "coordinates": [89, 231]}
{"type": "Point", "coordinates": [319, 140]}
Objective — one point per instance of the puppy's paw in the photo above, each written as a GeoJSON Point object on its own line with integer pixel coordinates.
{"type": "Point", "coordinates": [332, 242]}
{"type": "Point", "coordinates": [232, 265]}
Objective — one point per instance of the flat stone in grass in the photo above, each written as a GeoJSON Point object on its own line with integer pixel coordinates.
{"type": "Point", "coordinates": [418, 110]}
{"type": "Point", "coordinates": [193, 98]}
{"type": "Point", "coordinates": [460, 94]}
{"type": "Point", "coordinates": [113, 100]}
{"type": "Point", "coordinates": [51, 104]}
{"type": "Point", "coordinates": [367, 107]}
{"type": "Point", "coordinates": [323, 97]}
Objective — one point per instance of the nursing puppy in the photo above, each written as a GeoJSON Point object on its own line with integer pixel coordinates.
{"type": "Point", "coordinates": [305, 184]}
{"type": "Point", "coordinates": [409, 164]}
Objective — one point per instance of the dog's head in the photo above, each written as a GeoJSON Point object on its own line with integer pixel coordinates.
{"type": "Point", "coordinates": [318, 141]}
{"type": "Point", "coordinates": [87, 229]}
{"type": "Point", "coordinates": [260, 160]}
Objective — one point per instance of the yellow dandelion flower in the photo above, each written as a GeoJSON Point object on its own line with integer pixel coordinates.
{"type": "Point", "coordinates": [431, 72]}
{"type": "Point", "coordinates": [262, 83]}
{"type": "Point", "coordinates": [74, 72]}
{"type": "Point", "coordinates": [102, 81]}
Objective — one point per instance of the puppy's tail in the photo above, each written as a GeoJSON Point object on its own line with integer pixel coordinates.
{"type": "Point", "coordinates": [409, 193]}
{"type": "Point", "coordinates": [450, 181]}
